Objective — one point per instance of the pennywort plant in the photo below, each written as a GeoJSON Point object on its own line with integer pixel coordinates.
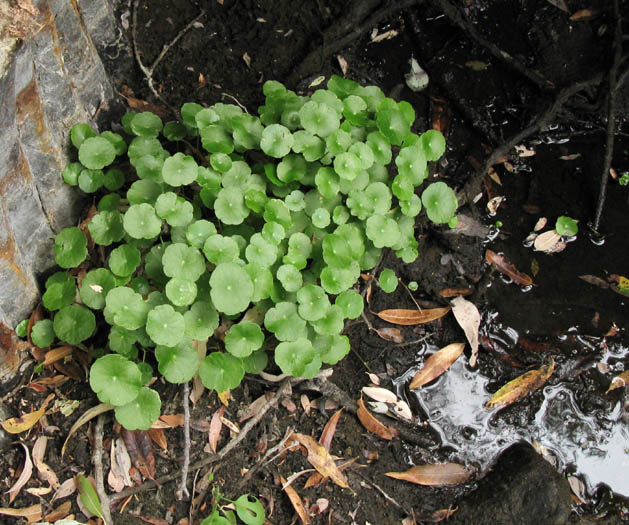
{"type": "Point", "coordinates": [260, 222]}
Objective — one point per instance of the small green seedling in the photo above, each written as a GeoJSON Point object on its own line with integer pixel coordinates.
{"type": "Point", "coordinates": [566, 226]}
{"type": "Point", "coordinates": [197, 237]}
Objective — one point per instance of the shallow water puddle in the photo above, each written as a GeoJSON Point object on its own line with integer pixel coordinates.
{"type": "Point", "coordinates": [594, 447]}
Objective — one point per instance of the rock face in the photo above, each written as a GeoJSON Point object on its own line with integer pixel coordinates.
{"type": "Point", "coordinates": [53, 80]}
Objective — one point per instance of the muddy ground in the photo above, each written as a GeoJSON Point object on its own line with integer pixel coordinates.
{"type": "Point", "coordinates": [482, 100]}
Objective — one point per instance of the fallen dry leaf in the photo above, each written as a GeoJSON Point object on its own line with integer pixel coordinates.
{"type": "Point", "coordinates": [583, 14]}
{"type": "Point", "coordinates": [508, 269]}
{"type": "Point", "coordinates": [159, 438]}
{"type": "Point", "coordinates": [59, 513]}
{"type": "Point", "coordinates": [541, 222]}
{"type": "Point", "coordinates": [172, 420]}
{"type": "Point", "coordinates": [453, 292]}
{"type": "Point", "coordinates": [296, 502]}
{"type": "Point", "coordinates": [619, 381]}
{"type": "Point", "coordinates": [412, 317]}
{"type": "Point", "coordinates": [255, 406]}
{"type": "Point", "coordinates": [390, 334]}
{"type": "Point", "coordinates": [45, 472]}
{"type": "Point", "coordinates": [596, 281]}
{"type": "Point", "coordinates": [17, 425]}
{"type": "Point", "coordinates": [521, 386]}
{"type": "Point", "coordinates": [546, 241]}
{"type": "Point", "coordinates": [85, 417]}
{"type": "Point", "coordinates": [325, 440]}
{"type": "Point", "coordinates": [373, 425]}
{"type": "Point", "coordinates": [320, 459]}
{"type": "Point", "coordinates": [402, 410]}
{"type": "Point", "coordinates": [140, 450]}
{"type": "Point", "coordinates": [494, 204]}
{"type": "Point", "coordinates": [56, 354]}
{"type": "Point", "coordinates": [380, 394]}
{"type": "Point", "coordinates": [437, 364]}
{"type": "Point", "coordinates": [67, 488]}
{"type": "Point", "coordinates": [27, 472]}
{"type": "Point", "coordinates": [438, 475]}
{"type": "Point", "coordinates": [32, 513]}
{"type": "Point", "coordinates": [468, 317]}
{"type": "Point", "coordinates": [123, 462]}
{"type": "Point", "coordinates": [216, 425]}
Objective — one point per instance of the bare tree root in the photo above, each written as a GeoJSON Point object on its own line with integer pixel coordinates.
{"type": "Point", "coordinates": [97, 459]}
{"type": "Point", "coordinates": [149, 70]}
{"type": "Point", "coordinates": [359, 18]}
{"type": "Point", "coordinates": [183, 490]}
{"type": "Point", "coordinates": [614, 84]}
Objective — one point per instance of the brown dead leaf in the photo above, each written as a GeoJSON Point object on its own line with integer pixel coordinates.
{"type": "Point", "coordinates": [468, 317]}
{"type": "Point", "coordinates": [85, 417]}
{"type": "Point", "coordinates": [412, 317]}
{"type": "Point", "coordinates": [52, 356]}
{"type": "Point", "coordinates": [233, 427]}
{"type": "Point", "coordinates": [374, 425]}
{"type": "Point", "coordinates": [390, 333]}
{"type": "Point", "coordinates": [159, 438]}
{"type": "Point", "coordinates": [508, 269]}
{"type": "Point", "coordinates": [142, 105]}
{"type": "Point", "coordinates": [453, 292]}
{"type": "Point", "coordinates": [440, 115]}
{"type": "Point", "coordinates": [437, 364]}
{"type": "Point", "coordinates": [619, 381]}
{"type": "Point", "coordinates": [45, 472]}
{"type": "Point", "coordinates": [296, 502]}
{"type": "Point", "coordinates": [59, 513]}
{"type": "Point", "coordinates": [67, 488]}
{"type": "Point", "coordinates": [11, 348]}
{"type": "Point", "coordinates": [584, 14]}
{"type": "Point", "coordinates": [140, 450]}
{"type": "Point", "coordinates": [255, 406]}
{"type": "Point", "coordinates": [521, 386]}
{"type": "Point", "coordinates": [596, 281]}
{"type": "Point", "coordinates": [173, 420]}
{"type": "Point", "coordinates": [438, 475]}
{"type": "Point", "coordinates": [27, 472]}
{"type": "Point", "coordinates": [216, 425]}
{"type": "Point", "coordinates": [546, 241]}
{"type": "Point", "coordinates": [320, 459]}
{"type": "Point", "coordinates": [32, 514]}
{"type": "Point", "coordinates": [17, 425]}
{"type": "Point", "coordinates": [328, 431]}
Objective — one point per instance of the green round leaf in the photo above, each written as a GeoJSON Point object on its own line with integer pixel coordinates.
{"type": "Point", "coordinates": [91, 181]}
{"type": "Point", "coordinates": [337, 280]}
{"type": "Point", "coordinates": [150, 167]}
{"type": "Point", "coordinates": [433, 143]}
{"type": "Point", "coordinates": [114, 179]}
{"type": "Point", "coordinates": [382, 231]}
{"type": "Point", "coordinates": [250, 512]}
{"type": "Point", "coordinates": [181, 292]}
{"type": "Point", "coordinates": [331, 323]}
{"type": "Point", "coordinates": [60, 293]}
{"type": "Point", "coordinates": [43, 333]}
{"type": "Point", "coordinates": [146, 124]}
{"type": "Point", "coordinates": [566, 226]}
{"type": "Point", "coordinates": [201, 320]}
{"type": "Point", "coordinates": [21, 329]}
{"type": "Point", "coordinates": [219, 249]}
{"type": "Point", "coordinates": [221, 372]}
{"type": "Point", "coordinates": [216, 139]}
{"type": "Point", "coordinates": [284, 322]}
{"type": "Point", "coordinates": [319, 119]}
{"type": "Point", "coordinates": [290, 277]}
{"type": "Point", "coordinates": [260, 251]}
{"type": "Point", "coordinates": [183, 261]}
{"type": "Point", "coordinates": [175, 209]}
{"type": "Point", "coordinates": [124, 260]}
{"type": "Point", "coordinates": [96, 152]}
{"type": "Point", "coordinates": [71, 173]}
{"type": "Point", "coordinates": [230, 206]}
{"type": "Point", "coordinates": [380, 146]}
{"type": "Point", "coordinates": [352, 304]}
{"type": "Point", "coordinates": [276, 141]}
{"type": "Point", "coordinates": [243, 339]}
{"type": "Point", "coordinates": [321, 218]}
{"type": "Point", "coordinates": [262, 280]}
{"type": "Point", "coordinates": [140, 413]}
{"type": "Point", "coordinates": [231, 288]}
{"type": "Point", "coordinates": [115, 379]}
{"type": "Point", "coordinates": [294, 356]}
{"type": "Point", "coordinates": [106, 227]}
{"type": "Point", "coordinates": [165, 326]}
{"type": "Point", "coordinates": [440, 202]}
{"type": "Point", "coordinates": [70, 247]}
{"type": "Point", "coordinates": [332, 348]}
{"type": "Point", "coordinates": [313, 302]}
{"type": "Point", "coordinates": [411, 207]}
{"type": "Point", "coordinates": [199, 231]}
{"type": "Point", "coordinates": [347, 165]}
{"type": "Point", "coordinates": [177, 364]}
{"type": "Point", "coordinates": [174, 131]}
{"type": "Point", "coordinates": [127, 307]}
{"type": "Point", "coordinates": [388, 280]}
{"type": "Point", "coordinates": [74, 324]}
{"type": "Point", "coordinates": [79, 133]}
{"type": "Point", "coordinates": [141, 222]}
{"type": "Point", "coordinates": [122, 341]}
{"type": "Point", "coordinates": [411, 163]}
{"type": "Point", "coordinates": [256, 362]}
{"type": "Point", "coordinates": [179, 170]}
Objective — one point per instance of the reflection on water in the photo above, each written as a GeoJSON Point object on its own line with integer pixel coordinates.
{"type": "Point", "coordinates": [594, 447]}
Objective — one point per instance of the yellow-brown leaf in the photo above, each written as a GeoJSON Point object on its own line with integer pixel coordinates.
{"type": "Point", "coordinates": [412, 317]}
{"type": "Point", "coordinates": [320, 459]}
{"type": "Point", "coordinates": [52, 356]}
{"type": "Point", "coordinates": [439, 475]}
{"type": "Point", "coordinates": [619, 381]}
{"type": "Point", "coordinates": [373, 425]}
{"type": "Point", "coordinates": [17, 425]}
{"type": "Point", "coordinates": [521, 386]}
{"type": "Point", "coordinates": [437, 364]}
{"type": "Point", "coordinates": [328, 431]}
{"type": "Point", "coordinates": [32, 513]}
{"type": "Point", "coordinates": [295, 500]}
{"type": "Point", "coordinates": [508, 269]}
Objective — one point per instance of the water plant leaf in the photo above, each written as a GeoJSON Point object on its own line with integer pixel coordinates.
{"type": "Point", "coordinates": [437, 475]}
{"type": "Point", "coordinates": [412, 317]}
{"type": "Point", "coordinates": [507, 268]}
{"type": "Point", "coordinates": [331, 323]}
{"type": "Point", "coordinates": [440, 202]}
{"type": "Point", "coordinates": [221, 372]}
{"type": "Point", "coordinates": [59, 293]}
{"type": "Point", "coordinates": [146, 124]}
{"type": "Point", "coordinates": [115, 379]}
{"type": "Point", "coordinates": [70, 247]}
{"type": "Point", "coordinates": [140, 413]}
{"type": "Point", "coordinates": [74, 324]}
{"type": "Point", "coordinates": [521, 386]}
{"type": "Point", "coordinates": [199, 231]}
{"type": "Point", "coordinates": [89, 496]}
{"type": "Point", "coordinates": [468, 317]}
{"type": "Point", "coordinates": [347, 165]}
{"type": "Point", "coordinates": [382, 231]}
{"type": "Point", "coordinates": [96, 152]}
{"type": "Point", "coordinates": [220, 249]}
{"type": "Point", "coordinates": [250, 512]}
{"type": "Point", "coordinates": [243, 339]}
{"type": "Point", "coordinates": [437, 364]}
{"type": "Point", "coordinates": [276, 141]}
{"type": "Point", "coordinates": [91, 181]}
{"type": "Point", "coordinates": [411, 163]}
{"type": "Point", "coordinates": [230, 206]}
{"type": "Point", "coordinates": [231, 288]}
{"type": "Point", "coordinates": [374, 425]}
{"type": "Point", "coordinates": [320, 459]}
{"type": "Point", "coordinates": [165, 326]}
{"type": "Point", "coordinates": [176, 210]}
{"type": "Point", "coordinates": [79, 133]}
{"type": "Point", "coordinates": [141, 222]}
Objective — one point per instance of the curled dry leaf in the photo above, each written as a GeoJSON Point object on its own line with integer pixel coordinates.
{"type": "Point", "coordinates": [123, 460]}
{"type": "Point", "coordinates": [453, 292]}
{"type": "Point", "coordinates": [596, 281]}
{"type": "Point", "coordinates": [59, 513]}
{"type": "Point", "coordinates": [373, 425]}
{"type": "Point", "coordinates": [390, 334]}
{"type": "Point", "coordinates": [584, 14]}
{"type": "Point", "coordinates": [32, 514]}
{"type": "Point", "coordinates": [439, 475]}
{"type": "Point", "coordinates": [67, 488]}
{"type": "Point", "coordinates": [521, 386]}
{"type": "Point", "coordinates": [328, 431]}
{"type": "Point", "coordinates": [255, 406]}
{"type": "Point", "coordinates": [619, 381]}
{"type": "Point", "coordinates": [296, 502]}
{"type": "Point", "coordinates": [45, 472]}
{"type": "Point", "coordinates": [87, 416]}
{"type": "Point", "coordinates": [172, 420]}
{"type": "Point", "coordinates": [159, 438]}
{"type": "Point", "coordinates": [27, 472]}
{"type": "Point", "coordinates": [56, 354]}
{"type": "Point", "coordinates": [380, 394]}
{"type": "Point", "coordinates": [17, 425]}
{"type": "Point", "coordinates": [468, 317]}
{"type": "Point", "coordinates": [402, 410]}
{"type": "Point", "coordinates": [320, 459]}
{"type": "Point", "coordinates": [546, 241]}
{"type": "Point", "coordinates": [541, 222]}
{"type": "Point", "coordinates": [508, 269]}
{"type": "Point", "coordinates": [140, 450]}
{"type": "Point", "coordinates": [494, 204]}
{"type": "Point", "coordinates": [437, 364]}
{"type": "Point", "coordinates": [412, 317]}
{"type": "Point", "coordinates": [216, 425]}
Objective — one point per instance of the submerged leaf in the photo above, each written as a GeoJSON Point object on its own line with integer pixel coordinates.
{"type": "Point", "coordinates": [437, 364]}
{"type": "Point", "coordinates": [508, 269]}
{"type": "Point", "coordinates": [521, 386]}
{"type": "Point", "coordinates": [412, 317]}
{"type": "Point", "coordinates": [440, 475]}
{"type": "Point", "coordinates": [619, 381]}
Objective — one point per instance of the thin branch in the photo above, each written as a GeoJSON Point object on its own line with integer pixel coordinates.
{"type": "Point", "coordinates": [97, 459]}
{"type": "Point", "coordinates": [183, 490]}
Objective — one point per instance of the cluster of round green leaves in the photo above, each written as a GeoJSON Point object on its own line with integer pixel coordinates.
{"type": "Point", "coordinates": [190, 239]}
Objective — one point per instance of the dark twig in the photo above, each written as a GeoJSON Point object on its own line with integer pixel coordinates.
{"type": "Point", "coordinates": [457, 18]}
{"type": "Point", "coordinates": [97, 459]}
{"type": "Point", "coordinates": [183, 490]}
{"type": "Point", "coordinates": [472, 187]}
{"type": "Point", "coordinates": [614, 82]}
{"type": "Point", "coordinates": [214, 458]}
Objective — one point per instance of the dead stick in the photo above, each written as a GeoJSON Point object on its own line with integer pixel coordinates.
{"type": "Point", "coordinates": [612, 80]}
{"type": "Point", "coordinates": [183, 490]}
{"type": "Point", "coordinates": [221, 454]}
{"type": "Point", "coordinates": [97, 459]}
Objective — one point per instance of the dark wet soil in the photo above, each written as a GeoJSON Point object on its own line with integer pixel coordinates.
{"type": "Point", "coordinates": [231, 49]}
